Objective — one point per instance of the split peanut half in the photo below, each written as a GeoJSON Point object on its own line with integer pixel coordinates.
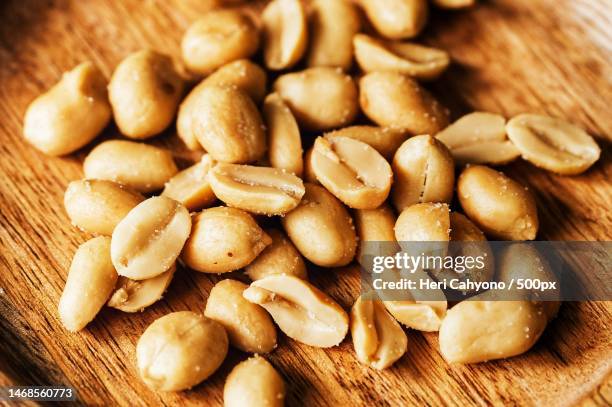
{"type": "Point", "coordinates": [285, 144]}
{"type": "Point", "coordinates": [191, 187]}
{"type": "Point", "coordinates": [135, 295]}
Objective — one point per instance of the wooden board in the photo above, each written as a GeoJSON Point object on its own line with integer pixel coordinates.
{"type": "Point", "coordinates": [511, 56]}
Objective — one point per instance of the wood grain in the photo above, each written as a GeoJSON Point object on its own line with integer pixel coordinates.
{"type": "Point", "coordinates": [511, 56]}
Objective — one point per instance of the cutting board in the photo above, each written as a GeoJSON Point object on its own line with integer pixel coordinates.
{"type": "Point", "coordinates": [510, 56]}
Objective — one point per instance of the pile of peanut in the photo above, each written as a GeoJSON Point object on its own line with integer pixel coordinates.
{"type": "Point", "coordinates": [341, 192]}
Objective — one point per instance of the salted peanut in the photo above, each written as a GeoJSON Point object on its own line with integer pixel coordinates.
{"type": "Point", "coordinates": [242, 74]}
{"type": "Point", "coordinates": [383, 139]}
{"type": "Point", "coordinates": [180, 350]}
{"type": "Point", "coordinates": [144, 92]}
{"type": "Point", "coordinates": [90, 282]}
{"type": "Point", "coordinates": [425, 222]}
{"type": "Point", "coordinates": [149, 239]}
{"type": "Point", "coordinates": [98, 205]}
{"type": "Point", "coordinates": [262, 190]}
{"type": "Point", "coordinates": [309, 175]}
{"type": "Point", "coordinates": [321, 228]}
{"type": "Point", "coordinates": [254, 382]}
{"type": "Point", "coordinates": [553, 144]}
{"type": "Point", "coordinates": [479, 138]}
{"type": "Point", "coordinates": [217, 38]}
{"type": "Point", "coordinates": [396, 18]}
{"type": "Point", "coordinates": [378, 339]}
{"type": "Point", "coordinates": [424, 171]}
{"type": "Point", "coordinates": [280, 257]}
{"type": "Point", "coordinates": [222, 240]}
{"type": "Point", "coordinates": [140, 166]}
{"type": "Point", "coordinates": [285, 143]}
{"type": "Point", "coordinates": [321, 98]}
{"type": "Point", "coordinates": [412, 59]}
{"type": "Point", "coordinates": [480, 330]}
{"type": "Point", "coordinates": [332, 25]}
{"type": "Point", "coordinates": [423, 315]}
{"type": "Point", "coordinates": [454, 4]}
{"type": "Point", "coordinates": [225, 121]}
{"type": "Point", "coordinates": [301, 311]}
{"type": "Point", "coordinates": [70, 114]}
{"type": "Point", "coordinates": [392, 99]}
{"type": "Point", "coordinates": [498, 205]}
{"type": "Point", "coordinates": [285, 32]}
{"type": "Point", "coordinates": [352, 170]}
{"type": "Point", "coordinates": [191, 186]}
{"type": "Point", "coordinates": [135, 295]}
{"type": "Point", "coordinates": [248, 326]}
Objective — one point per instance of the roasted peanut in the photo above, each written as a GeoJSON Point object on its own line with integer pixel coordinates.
{"type": "Point", "coordinates": [180, 350]}
{"type": "Point", "coordinates": [424, 315]}
{"type": "Point", "coordinates": [383, 139]}
{"type": "Point", "coordinates": [321, 228]}
{"type": "Point", "coordinates": [145, 92]}
{"type": "Point", "coordinates": [396, 18]}
{"type": "Point", "coordinates": [222, 240]}
{"type": "Point", "coordinates": [333, 23]}
{"type": "Point", "coordinates": [424, 172]}
{"type": "Point", "coordinates": [97, 205]}
{"type": "Point", "coordinates": [140, 166]}
{"type": "Point", "coordinates": [553, 144]}
{"type": "Point", "coordinates": [149, 239]}
{"type": "Point", "coordinates": [424, 222]}
{"type": "Point", "coordinates": [378, 339]}
{"type": "Point", "coordinates": [191, 187]}
{"type": "Point", "coordinates": [285, 144]}
{"type": "Point", "coordinates": [300, 310]}
{"type": "Point", "coordinates": [254, 383]}
{"type": "Point", "coordinates": [90, 282]}
{"type": "Point", "coordinates": [217, 38]}
{"type": "Point", "coordinates": [135, 295]}
{"type": "Point", "coordinates": [334, 91]}
{"type": "Point", "coordinates": [248, 326]}
{"type": "Point", "coordinates": [225, 121]}
{"type": "Point", "coordinates": [479, 138]}
{"type": "Point", "coordinates": [70, 114]}
{"type": "Point", "coordinates": [285, 33]}
{"type": "Point", "coordinates": [377, 226]}
{"type": "Point", "coordinates": [412, 59]}
{"type": "Point", "coordinates": [395, 100]}
{"type": "Point", "coordinates": [242, 74]}
{"type": "Point", "coordinates": [280, 257]}
{"type": "Point", "coordinates": [499, 206]}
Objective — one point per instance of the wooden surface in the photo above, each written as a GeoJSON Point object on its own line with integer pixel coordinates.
{"type": "Point", "coordinates": [511, 56]}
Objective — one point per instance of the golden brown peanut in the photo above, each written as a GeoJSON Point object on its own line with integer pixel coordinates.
{"type": "Point", "coordinates": [499, 206]}
{"type": "Point", "coordinates": [254, 383]}
{"type": "Point", "coordinates": [352, 170]}
{"type": "Point", "coordinates": [321, 228]}
{"type": "Point", "coordinates": [553, 144]}
{"type": "Point", "coordinates": [242, 74]}
{"type": "Point", "coordinates": [145, 91]}
{"type": "Point", "coordinates": [333, 23]}
{"type": "Point", "coordinates": [479, 138]}
{"type": "Point", "coordinates": [70, 114]}
{"type": "Point", "coordinates": [191, 187]}
{"type": "Point", "coordinates": [225, 121]}
{"type": "Point", "coordinates": [280, 257]}
{"type": "Point", "coordinates": [222, 240]}
{"type": "Point", "coordinates": [426, 316]}
{"type": "Point", "coordinates": [149, 239]}
{"type": "Point", "coordinates": [396, 18]}
{"type": "Point", "coordinates": [136, 295]}
{"type": "Point", "coordinates": [285, 144]}
{"type": "Point", "coordinates": [375, 228]}
{"type": "Point", "coordinates": [248, 326]}
{"type": "Point", "coordinates": [97, 205]}
{"type": "Point", "coordinates": [320, 98]}
{"type": "Point", "coordinates": [300, 310]}
{"type": "Point", "coordinates": [421, 223]}
{"type": "Point", "coordinates": [408, 58]}
{"type": "Point", "coordinates": [140, 166]}
{"type": "Point", "coordinates": [90, 282]}
{"type": "Point", "coordinates": [383, 139]}
{"type": "Point", "coordinates": [262, 190]}
{"type": "Point", "coordinates": [180, 350]}
{"type": "Point", "coordinates": [285, 33]}
{"type": "Point", "coordinates": [424, 171]}
{"type": "Point", "coordinates": [395, 100]}
{"type": "Point", "coordinates": [454, 4]}
{"type": "Point", "coordinates": [309, 175]}
{"type": "Point", "coordinates": [379, 341]}
{"type": "Point", "coordinates": [479, 330]}
{"type": "Point", "coordinates": [217, 38]}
